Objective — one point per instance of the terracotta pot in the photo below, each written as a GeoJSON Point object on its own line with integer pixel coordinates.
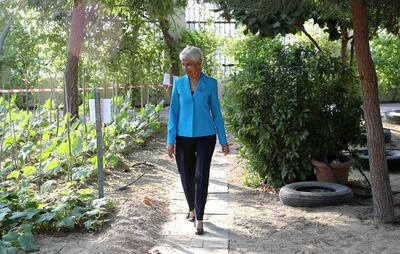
{"type": "Point", "coordinates": [338, 171]}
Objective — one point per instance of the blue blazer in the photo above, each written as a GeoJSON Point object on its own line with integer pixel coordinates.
{"type": "Point", "coordinates": [198, 115]}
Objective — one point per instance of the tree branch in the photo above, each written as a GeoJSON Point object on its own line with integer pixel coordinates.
{"type": "Point", "coordinates": [5, 33]}
{"type": "Point", "coordinates": [301, 28]}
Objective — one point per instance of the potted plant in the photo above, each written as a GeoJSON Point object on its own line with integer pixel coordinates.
{"type": "Point", "coordinates": [339, 128]}
{"type": "Point", "coordinates": [289, 104]}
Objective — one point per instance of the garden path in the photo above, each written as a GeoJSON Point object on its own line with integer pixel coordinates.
{"type": "Point", "coordinates": [178, 234]}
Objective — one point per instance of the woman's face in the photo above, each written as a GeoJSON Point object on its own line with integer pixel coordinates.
{"type": "Point", "coordinates": [192, 68]}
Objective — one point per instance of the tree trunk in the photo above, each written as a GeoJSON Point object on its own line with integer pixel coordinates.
{"type": "Point", "coordinates": [344, 40]}
{"type": "Point", "coordinates": [171, 44]}
{"type": "Point", "coordinates": [3, 36]}
{"type": "Point", "coordinates": [74, 48]}
{"type": "Point", "coordinates": [351, 52]}
{"type": "Point", "coordinates": [381, 190]}
{"type": "Point", "coordinates": [172, 51]}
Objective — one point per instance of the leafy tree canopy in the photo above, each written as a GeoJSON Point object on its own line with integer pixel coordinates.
{"type": "Point", "coordinates": [271, 17]}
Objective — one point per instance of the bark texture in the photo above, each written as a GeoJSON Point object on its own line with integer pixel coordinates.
{"type": "Point", "coordinates": [344, 42]}
{"type": "Point", "coordinates": [381, 190]}
{"type": "Point", "coordinates": [171, 44]}
{"type": "Point", "coordinates": [74, 48]}
{"type": "Point", "coordinates": [172, 51]}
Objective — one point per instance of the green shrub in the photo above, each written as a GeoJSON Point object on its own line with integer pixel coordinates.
{"type": "Point", "coordinates": [288, 104]}
{"type": "Point", "coordinates": [386, 54]}
{"type": "Point", "coordinates": [207, 41]}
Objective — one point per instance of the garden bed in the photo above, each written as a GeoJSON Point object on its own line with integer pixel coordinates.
{"type": "Point", "coordinates": [139, 211]}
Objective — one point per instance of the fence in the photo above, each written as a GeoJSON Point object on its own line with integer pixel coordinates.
{"type": "Point", "coordinates": [199, 15]}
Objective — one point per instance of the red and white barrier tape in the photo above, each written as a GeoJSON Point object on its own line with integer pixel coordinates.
{"type": "Point", "coordinates": [40, 90]}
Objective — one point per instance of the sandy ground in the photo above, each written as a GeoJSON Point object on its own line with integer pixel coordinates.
{"type": "Point", "coordinates": [259, 223]}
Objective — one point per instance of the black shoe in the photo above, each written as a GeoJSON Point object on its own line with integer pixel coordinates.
{"type": "Point", "coordinates": [198, 228]}
{"type": "Point", "coordinates": [189, 218]}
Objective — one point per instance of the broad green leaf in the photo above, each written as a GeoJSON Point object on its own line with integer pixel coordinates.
{"type": "Point", "coordinates": [11, 237]}
{"type": "Point", "coordinates": [94, 212]}
{"type": "Point", "coordinates": [77, 212]}
{"type": "Point", "coordinates": [76, 145]}
{"type": "Point", "coordinates": [47, 186]}
{"type": "Point", "coordinates": [67, 222]}
{"type": "Point", "coordinates": [7, 248]}
{"type": "Point", "coordinates": [46, 137]}
{"type": "Point", "coordinates": [91, 146]}
{"type": "Point", "coordinates": [61, 207]}
{"type": "Point", "coordinates": [85, 191]}
{"type": "Point", "coordinates": [17, 215]}
{"type": "Point", "coordinates": [27, 243]}
{"type": "Point", "coordinates": [48, 151]}
{"type": "Point", "coordinates": [13, 175]}
{"type": "Point", "coordinates": [26, 228]}
{"type": "Point", "coordinates": [81, 173]}
{"type": "Point", "coordinates": [8, 142]}
{"type": "Point", "coordinates": [88, 224]}
{"type": "Point", "coordinates": [98, 203]}
{"type": "Point", "coordinates": [32, 212]}
{"type": "Point", "coordinates": [159, 107]}
{"type": "Point", "coordinates": [45, 217]}
{"type": "Point", "coordinates": [26, 150]}
{"type": "Point", "coordinates": [63, 150]}
{"type": "Point", "coordinates": [113, 159]}
{"type": "Point", "coordinates": [28, 171]}
{"type": "Point", "coordinates": [53, 165]}
{"type": "Point", "coordinates": [4, 212]}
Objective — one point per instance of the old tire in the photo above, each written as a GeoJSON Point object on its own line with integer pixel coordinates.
{"type": "Point", "coordinates": [392, 117]}
{"type": "Point", "coordinates": [314, 194]}
{"type": "Point", "coordinates": [392, 158]}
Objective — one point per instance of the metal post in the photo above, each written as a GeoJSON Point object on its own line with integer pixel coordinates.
{"type": "Point", "coordinates": [99, 138]}
{"type": "Point", "coordinates": [51, 99]}
{"type": "Point", "coordinates": [26, 94]}
{"type": "Point", "coordinates": [84, 102]}
{"type": "Point", "coordinates": [141, 95]}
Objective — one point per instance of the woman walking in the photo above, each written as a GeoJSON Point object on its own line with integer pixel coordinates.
{"type": "Point", "coordinates": [194, 121]}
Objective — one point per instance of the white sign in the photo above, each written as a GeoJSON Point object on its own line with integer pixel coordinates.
{"type": "Point", "coordinates": [105, 109]}
{"type": "Point", "coordinates": [167, 79]}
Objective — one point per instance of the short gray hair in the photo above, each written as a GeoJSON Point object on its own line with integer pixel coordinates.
{"type": "Point", "coordinates": [191, 53]}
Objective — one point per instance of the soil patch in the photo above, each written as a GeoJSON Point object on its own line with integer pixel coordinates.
{"type": "Point", "coordinates": [139, 212]}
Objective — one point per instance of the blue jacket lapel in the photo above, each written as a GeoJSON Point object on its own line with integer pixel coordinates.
{"type": "Point", "coordinates": [201, 86]}
{"type": "Point", "coordinates": [187, 85]}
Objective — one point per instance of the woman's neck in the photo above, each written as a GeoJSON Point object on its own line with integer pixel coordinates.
{"type": "Point", "coordinates": [195, 77]}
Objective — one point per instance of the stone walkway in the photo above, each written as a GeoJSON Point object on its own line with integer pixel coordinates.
{"type": "Point", "coordinates": [178, 234]}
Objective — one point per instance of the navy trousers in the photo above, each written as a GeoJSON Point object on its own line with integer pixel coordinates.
{"type": "Point", "coordinates": [193, 158]}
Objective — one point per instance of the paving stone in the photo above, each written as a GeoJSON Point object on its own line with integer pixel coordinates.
{"type": "Point", "coordinates": [216, 243]}
{"type": "Point", "coordinates": [219, 159]}
{"type": "Point", "coordinates": [178, 234]}
{"type": "Point", "coordinates": [215, 186]}
{"type": "Point", "coordinates": [196, 243]}
{"type": "Point", "coordinates": [213, 206]}
{"type": "Point", "coordinates": [215, 227]}
{"type": "Point", "coordinates": [218, 174]}
{"type": "Point", "coordinates": [213, 251]}
{"type": "Point", "coordinates": [219, 196]}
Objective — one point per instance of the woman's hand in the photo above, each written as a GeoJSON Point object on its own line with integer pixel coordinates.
{"type": "Point", "coordinates": [225, 148]}
{"type": "Point", "coordinates": [171, 150]}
